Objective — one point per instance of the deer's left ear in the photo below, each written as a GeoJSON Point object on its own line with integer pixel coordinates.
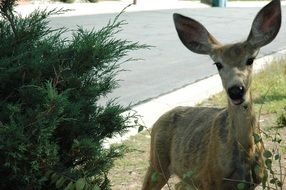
{"type": "Point", "coordinates": [194, 35]}
{"type": "Point", "coordinates": [266, 25]}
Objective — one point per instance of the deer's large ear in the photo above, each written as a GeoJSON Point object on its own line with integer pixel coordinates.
{"type": "Point", "coordinates": [194, 35]}
{"type": "Point", "coordinates": [266, 25]}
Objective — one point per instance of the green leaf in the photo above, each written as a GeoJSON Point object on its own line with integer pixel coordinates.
{"type": "Point", "coordinates": [54, 177]}
{"type": "Point", "coordinates": [141, 128]}
{"type": "Point", "coordinates": [60, 182]}
{"type": "Point", "coordinates": [136, 121]}
{"type": "Point", "coordinates": [257, 138]}
{"type": "Point", "coordinates": [257, 169]}
{"type": "Point", "coordinates": [267, 154]}
{"type": "Point", "coordinates": [277, 138]}
{"type": "Point", "coordinates": [52, 93]}
{"type": "Point", "coordinates": [279, 183]}
{"type": "Point", "coordinates": [268, 163]}
{"type": "Point", "coordinates": [76, 141]}
{"type": "Point", "coordinates": [188, 174]}
{"type": "Point", "coordinates": [70, 186]}
{"type": "Point", "coordinates": [273, 180]}
{"type": "Point", "coordinates": [277, 157]}
{"type": "Point", "coordinates": [241, 186]}
{"type": "Point", "coordinates": [154, 177]}
{"type": "Point", "coordinates": [48, 173]}
{"type": "Point", "coordinates": [96, 187]}
{"type": "Point", "coordinates": [264, 180]}
{"type": "Point", "coordinates": [80, 183]}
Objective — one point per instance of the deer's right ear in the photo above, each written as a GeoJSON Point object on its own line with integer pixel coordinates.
{"type": "Point", "coordinates": [266, 25]}
{"type": "Point", "coordinates": [194, 35]}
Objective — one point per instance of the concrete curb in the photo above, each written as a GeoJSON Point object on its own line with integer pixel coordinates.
{"type": "Point", "coordinates": [190, 95]}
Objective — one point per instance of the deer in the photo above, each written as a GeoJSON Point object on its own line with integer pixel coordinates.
{"type": "Point", "coordinates": [212, 148]}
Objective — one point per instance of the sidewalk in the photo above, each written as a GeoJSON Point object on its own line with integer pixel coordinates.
{"type": "Point", "coordinates": [117, 6]}
{"type": "Point", "coordinates": [109, 6]}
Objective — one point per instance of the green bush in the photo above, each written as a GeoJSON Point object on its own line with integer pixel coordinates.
{"type": "Point", "coordinates": [51, 124]}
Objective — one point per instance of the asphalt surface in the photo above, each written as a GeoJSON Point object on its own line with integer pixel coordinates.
{"type": "Point", "coordinates": [169, 65]}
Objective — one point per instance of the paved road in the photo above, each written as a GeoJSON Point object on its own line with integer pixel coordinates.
{"type": "Point", "coordinates": [169, 65]}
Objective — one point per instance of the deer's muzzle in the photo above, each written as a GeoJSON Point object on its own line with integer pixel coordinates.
{"type": "Point", "coordinates": [236, 94]}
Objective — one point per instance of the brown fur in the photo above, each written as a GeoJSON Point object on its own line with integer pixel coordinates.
{"type": "Point", "coordinates": [214, 148]}
{"type": "Point", "coordinates": [202, 140]}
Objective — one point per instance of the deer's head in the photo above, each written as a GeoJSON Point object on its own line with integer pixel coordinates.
{"type": "Point", "coordinates": [233, 61]}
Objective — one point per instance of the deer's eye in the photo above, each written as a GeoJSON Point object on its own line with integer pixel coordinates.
{"type": "Point", "coordinates": [249, 61]}
{"type": "Point", "coordinates": [218, 65]}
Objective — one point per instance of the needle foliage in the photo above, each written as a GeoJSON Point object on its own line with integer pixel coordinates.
{"type": "Point", "coordinates": [51, 124]}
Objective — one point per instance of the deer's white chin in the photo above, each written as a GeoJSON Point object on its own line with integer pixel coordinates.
{"type": "Point", "coordinates": [237, 102]}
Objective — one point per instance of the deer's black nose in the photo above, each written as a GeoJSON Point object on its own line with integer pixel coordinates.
{"type": "Point", "coordinates": [236, 92]}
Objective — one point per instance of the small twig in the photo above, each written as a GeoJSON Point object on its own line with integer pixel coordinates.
{"type": "Point", "coordinates": [121, 12]}
{"type": "Point", "coordinates": [260, 109]}
{"type": "Point", "coordinates": [239, 181]}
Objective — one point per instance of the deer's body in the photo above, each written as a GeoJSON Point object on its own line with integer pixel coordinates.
{"type": "Point", "coordinates": [199, 143]}
{"type": "Point", "coordinates": [213, 148]}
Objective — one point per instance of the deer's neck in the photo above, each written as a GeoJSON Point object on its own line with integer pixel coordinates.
{"type": "Point", "coordinates": [243, 122]}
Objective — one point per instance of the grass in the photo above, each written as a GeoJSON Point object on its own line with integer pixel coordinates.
{"type": "Point", "coordinates": [269, 87]}
{"type": "Point", "coordinates": [129, 171]}
{"type": "Point", "coordinates": [269, 91]}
